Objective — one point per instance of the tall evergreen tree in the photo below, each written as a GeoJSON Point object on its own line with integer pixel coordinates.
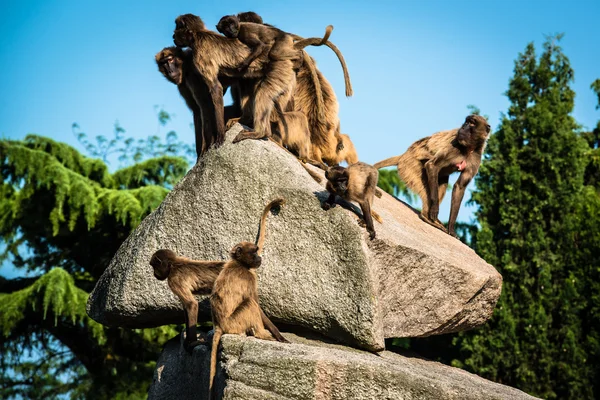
{"type": "Point", "coordinates": [529, 193]}
{"type": "Point", "coordinates": [62, 218]}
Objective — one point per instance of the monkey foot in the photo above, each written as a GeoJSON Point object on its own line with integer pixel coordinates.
{"type": "Point", "coordinates": [372, 235]}
{"type": "Point", "coordinates": [231, 122]}
{"type": "Point", "coordinates": [453, 234]}
{"type": "Point", "coordinates": [436, 223]}
{"type": "Point", "coordinates": [189, 346]}
{"type": "Point", "coordinates": [362, 223]}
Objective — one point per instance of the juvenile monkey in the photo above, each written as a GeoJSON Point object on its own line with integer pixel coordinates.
{"type": "Point", "coordinates": [427, 164]}
{"type": "Point", "coordinates": [279, 45]}
{"type": "Point", "coordinates": [358, 183]}
{"type": "Point", "coordinates": [234, 299]}
{"type": "Point", "coordinates": [186, 278]}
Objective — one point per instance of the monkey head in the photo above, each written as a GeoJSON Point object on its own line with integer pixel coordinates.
{"type": "Point", "coordinates": [185, 27]}
{"type": "Point", "coordinates": [161, 262]}
{"type": "Point", "coordinates": [338, 177]}
{"type": "Point", "coordinates": [229, 26]}
{"type": "Point", "coordinates": [474, 130]}
{"type": "Point", "coordinates": [250, 16]}
{"type": "Point", "coordinates": [246, 253]}
{"type": "Point", "coordinates": [169, 61]}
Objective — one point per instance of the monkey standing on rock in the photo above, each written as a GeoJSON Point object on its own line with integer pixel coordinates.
{"type": "Point", "coordinates": [427, 164]}
{"type": "Point", "coordinates": [234, 299]}
{"type": "Point", "coordinates": [357, 183]}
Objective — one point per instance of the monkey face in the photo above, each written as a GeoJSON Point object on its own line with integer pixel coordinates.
{"type": "Point", "coordinates": [161, 263]}
{"type": "Point", "coordinates": [183, 38]}
{"type": "Point", "coordinates": [247, 254]}
{"type": "Point", "coordinates": [336, 173]}
{"type": "Point", "coordinates": [170, 67]}
{"type": "Point", "coordinates": [473, 126]}
{"type": "Point", "coordinates": [229, 26]}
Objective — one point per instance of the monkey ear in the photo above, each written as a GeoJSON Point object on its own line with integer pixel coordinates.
{"type": "Point", "coordinates": [237, 251]}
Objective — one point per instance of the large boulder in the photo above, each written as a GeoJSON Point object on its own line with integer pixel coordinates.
{"type": "Point", "coordinates": [253, 369]}
{"type": "Point", "coordinates": [320, 271]}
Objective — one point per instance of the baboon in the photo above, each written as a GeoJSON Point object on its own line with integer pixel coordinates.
{"type": "Point", "coordinates": [427, 164]}
{"type": "Point", "coordinates": [234, 299]}
{"type": "Point", "coordinates": [186, 278]}
{"type": "Point", "coordinates": [262, 39]}
{"type": "Point", "coordinates": [358, 183]}
{"type": "Point", "coordinates": [214, 54]}
{"type": "Point", "coordinates": [177, 66]}
{"type": "Point", "coordinates": [250, 16]}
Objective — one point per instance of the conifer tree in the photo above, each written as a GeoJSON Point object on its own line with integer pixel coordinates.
{"type": "Point", "coordinates": [62, 218]}
{"type": "Point", "coordinates": [529, 192]}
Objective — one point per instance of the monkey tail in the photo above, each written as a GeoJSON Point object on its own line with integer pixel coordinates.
{"type": "Point", "coordinates": [302, 43]}
{"type": "Point", "coordinates": [213, 360]}
{"type": "Point", "coordinates": [388, 162]}
{"type": "Point", "coordinates": [278, 202]}
{"type": "Point", "coordinates": [317, 84]}
{"type": "Point", "coordinates": [338, 53]}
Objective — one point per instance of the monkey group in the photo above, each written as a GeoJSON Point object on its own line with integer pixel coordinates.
{"type": "Point", "coordinates": [279, 94]}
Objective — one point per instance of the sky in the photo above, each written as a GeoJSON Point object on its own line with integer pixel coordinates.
{"type": "Point", "coordinates": [414, 65]}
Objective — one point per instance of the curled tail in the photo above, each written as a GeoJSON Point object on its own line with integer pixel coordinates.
{"type": "Point", "coordinates": [263, 219]}
{"type": "Point", "coordinates": [388, 162]}
{"type": "Point", "coordinates": [302, 43]}
{"type": "Point", "coordinates": [213, 360]}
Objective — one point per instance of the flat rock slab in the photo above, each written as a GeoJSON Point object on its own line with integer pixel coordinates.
{"type": "Point", "coordinates": [255, 369]}
{"type": "Point", "coordinates": [320, 271]}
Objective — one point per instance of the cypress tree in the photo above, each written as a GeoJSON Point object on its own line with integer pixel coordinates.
{"type": "Point", "coordinates": [529, 192]}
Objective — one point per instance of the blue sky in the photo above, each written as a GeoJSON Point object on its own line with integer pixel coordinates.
{"type": "Point", "coordinates": [415, 65]}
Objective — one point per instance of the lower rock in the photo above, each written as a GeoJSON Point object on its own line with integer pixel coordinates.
{"type": "Point", "coordinates": [250, 368]}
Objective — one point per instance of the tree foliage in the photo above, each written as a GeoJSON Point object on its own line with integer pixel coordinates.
{"type": "Point", "coordinates": [62, 218]}
{"type": "Point", "coordinates": [538, 226]}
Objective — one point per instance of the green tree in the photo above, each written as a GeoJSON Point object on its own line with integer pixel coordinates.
{"type": "Point", "coordinates": [62, 218]}
{"type": "Point", "coordinates": [529, 192]}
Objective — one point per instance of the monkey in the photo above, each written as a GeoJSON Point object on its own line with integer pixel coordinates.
{"type": "Point", "coordinates": [186, 278]}
{"type": "Point", "coordinates": [176, 65]}
{"type": "Point", "coordinates": [214, 54]}
{"type": "Point", "coordinates": [234, 298]}
{"type": "Point", "coordinates": [278, 44]}
{"type": "Point", "coordinates": [250, 16]}
{"type": "Point", "coordinates": [427, 164]}
{"type": "Point", "coordinates": [357, 183]}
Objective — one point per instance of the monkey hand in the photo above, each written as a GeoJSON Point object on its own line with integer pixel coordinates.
{"type": "Point", "coordinates": [372, 235]}
{"type": "Point", "coordinates": [231, 122]}
{"type": "Point", "coordinates": [326, 206]}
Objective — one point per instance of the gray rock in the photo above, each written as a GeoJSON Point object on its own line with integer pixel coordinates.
{"type": "Point", "coordinates": [320, 271]}
{"type": "Point", "coordinates": [250, 368]}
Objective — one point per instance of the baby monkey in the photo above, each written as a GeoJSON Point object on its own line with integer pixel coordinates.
{"type": "Point", "coordinates": [357, 182]}
{"type": "Point", "coordinates": [266, 38]}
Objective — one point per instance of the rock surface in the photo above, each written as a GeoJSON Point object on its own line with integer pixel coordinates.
{"type": "Point", "coordinates": [260, 370]}
{"type": "Point", "coordinates": [320, 271]}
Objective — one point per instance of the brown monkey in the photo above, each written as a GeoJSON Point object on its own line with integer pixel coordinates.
{"type": "Point", "coordinates": [186, 278]}
{"type": "Point", "coordinates": [176, 65]}
{"type": "Point", "coordinates": [234, 299]}
{"type": "Point", "coordinates": [427, 164]}
{"type": "Point", "coordinates": [279, 45]}
{"type": "Point", "coordinates": [250, 16]}
{"type": "Point", "coordinates": [357, 183]}
{"type": "Point", "coordinates": [214, 54]}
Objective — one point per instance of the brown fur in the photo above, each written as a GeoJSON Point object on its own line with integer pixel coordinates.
{"type": "Point", "coordinates": [292, 130]}
{"type": "Point", "coordinates": [215, 55]}
{"type": "Point", "coordinates": [347, 152]}
{"type": "Point", "coordinates": [186, 278]}
{"type": "Point", "coordinates": [176, 65]}
{"type": "Point", "coordinates": [427, 164]}
{"type": "Point", "coordinates": [234, 299]}
{"type": "Point", "coordinates": [356, 183]}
